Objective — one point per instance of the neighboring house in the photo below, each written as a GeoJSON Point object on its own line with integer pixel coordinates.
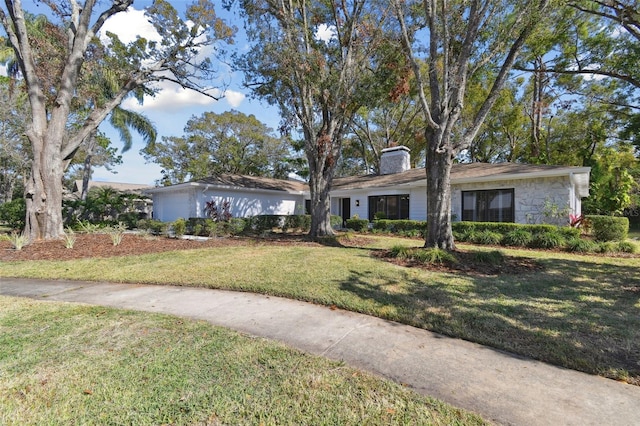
{"type": "Point", "coordinates": [142, 204]}
{"type": "Point", "coordinates": [504, 192]}
{"type": "Point", "coordinates": [247, 196]}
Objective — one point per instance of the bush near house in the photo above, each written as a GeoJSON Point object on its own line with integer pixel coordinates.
{"type": "Point", "coordinates": [402, 227]}
{"type": "Point", "coordinates": [609, 228]}
{"type": "Point", "coordinates": [357, 224]}
{"type": "Point", "coordinates": [12, 213]}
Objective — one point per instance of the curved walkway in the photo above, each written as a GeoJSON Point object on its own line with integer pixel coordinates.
{"type": "Point", "coordinates": [501, 387]}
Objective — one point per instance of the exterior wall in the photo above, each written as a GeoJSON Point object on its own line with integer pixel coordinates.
{"type": "Point", "coordinates": [250, 203]}
{"type": "Point", "coordinates": [417, 201]}
{"type": "Point", "coordinates": [530, 198]}
{"type": "Point", "coordinates": [169, 206]}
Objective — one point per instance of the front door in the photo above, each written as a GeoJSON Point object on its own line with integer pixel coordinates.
{"type": "Point", "coordinates": [345, 211]}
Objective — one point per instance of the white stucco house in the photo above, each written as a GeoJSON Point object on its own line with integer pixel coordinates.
{"type": "Point", "coordinates": [504, 192]}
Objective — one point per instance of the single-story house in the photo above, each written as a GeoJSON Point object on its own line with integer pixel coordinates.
{"type": "Point", "coordinates": [503, 192]}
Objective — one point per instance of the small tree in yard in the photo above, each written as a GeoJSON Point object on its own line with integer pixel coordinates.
{"type": "Point", "coordinates": [58, 81]}
{"type": "Point", "coordinates": [462, 40]}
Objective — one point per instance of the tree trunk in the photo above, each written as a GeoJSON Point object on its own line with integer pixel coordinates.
{"type": "Point", "coordinates": [43, 194]}
{"type": "Point", "coordinates": [439, 232]}
{"type": "Point", "coordinates": [320, 206]}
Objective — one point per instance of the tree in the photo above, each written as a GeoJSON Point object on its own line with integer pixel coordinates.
{"type": "Point", "coordinates": [231, 142]}
{"type": "Point", "coordinates": [14, 150]}
{"type": "Point", "coordinates": [462, 38]}
{"type": "Point", "coordinates": [319, 62]}
{"type": "Point", "coordinates": [53, 81]}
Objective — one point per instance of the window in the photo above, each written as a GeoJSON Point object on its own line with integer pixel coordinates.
{"type": "Point", "coordinates": [496, 205]}
{"type": "Point", "coordinates": [392, 206]}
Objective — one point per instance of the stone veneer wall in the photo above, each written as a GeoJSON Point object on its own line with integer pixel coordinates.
{"type": "Point", "coordinates": [395, 161]}
{"type": "Point", "coordinates": [530, 197]}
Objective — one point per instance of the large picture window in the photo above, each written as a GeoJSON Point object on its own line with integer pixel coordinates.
{"type": "Point", "coordinates": [496, 205]}
{"type": "Point", "coordinates": [392, 206]}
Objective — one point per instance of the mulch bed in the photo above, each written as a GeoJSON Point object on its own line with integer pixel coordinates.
{"type": "Point", "coordinates": [468, 264]}
{"type": "Point", "coordinates": [101, 245]}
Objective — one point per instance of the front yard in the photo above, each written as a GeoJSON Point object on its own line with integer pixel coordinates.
{"type": "Point", "coordinates": [577, 311]}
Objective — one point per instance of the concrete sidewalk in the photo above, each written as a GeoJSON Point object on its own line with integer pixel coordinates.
{"type": "Point", "coordinates": [501, 387]}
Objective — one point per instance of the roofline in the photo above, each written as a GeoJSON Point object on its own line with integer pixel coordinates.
{"type": "Point", "coordinates": [188, 185]}
{"type": "Point", "coordinates": [558, 172]}
{"type": "Point", "coordinates": [565, 171]}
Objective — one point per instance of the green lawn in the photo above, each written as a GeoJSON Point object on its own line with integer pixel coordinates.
{"type": "Point", "coordinates": [580, 312]}
{"type": "Point", "coordinates": [64, 364]}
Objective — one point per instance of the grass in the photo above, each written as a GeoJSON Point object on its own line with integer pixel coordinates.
{"type": "Point", "coordinates": [580, 312]}
{"type": "Point", "coordinates": [74, 364]}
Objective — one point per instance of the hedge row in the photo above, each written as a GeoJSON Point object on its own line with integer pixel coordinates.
{"type": "Point", "coordinates": [608, 228]}
{"type": "Point", "coordinates": [235, 226]}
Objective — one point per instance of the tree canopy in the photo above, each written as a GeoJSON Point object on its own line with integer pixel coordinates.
{"type": "Point", "coordinates": [231, 142]}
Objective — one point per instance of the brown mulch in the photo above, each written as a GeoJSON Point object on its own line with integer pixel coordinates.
{"type": "Point", "coordinates": [468, 264]}
{"type": "Point", "coordinates": [101, 245]}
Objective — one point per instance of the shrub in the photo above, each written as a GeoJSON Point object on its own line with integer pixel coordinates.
{"type": "Point", "coordinates": [609, 228]}
{"type": "Point", "coordinates": [422, 255]}
{"type": "Point", "coordinates": [494, 257]}
{"type": "Point", "coordinates": [69, 238]}
{"type": "Point", "coordinates": [179, 227]}
{"type": "Point", "coordinates": [17, 239]}
{"type": "Point", "coordinates": [400, 252]}
{"type": "Point", "coordinates": [627, 247]}
{"type": "Point", "coordinates": [606, 247]}
{"type": "Point", "coordinates": [517, 237]}
{"type": "Point", "coordinates": [434, 256]}
{"type": "Point", "coordinates": [580, 245]}
{"type": "Point", "coordinates": [298, 221]}
{"type": "Point", "coordinates": [357, 224]}
{"type": "Point", "coordinates": [335, 221]}
{"type": "Point", "coordinates": [116, 232]}
{"type": "Point", "coordinates": [487, 237]}
{"type": "Point", "coordinates": [13, 213]}
{"type": "Point", "coordinates": [547, 240]}
{"type": "Point", "coordinates": [236, 225]}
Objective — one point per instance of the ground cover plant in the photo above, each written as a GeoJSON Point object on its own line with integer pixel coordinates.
{"type": "Point", "coordinates": [574, 310]}
{"type": "Point", "coordinates": [75, 364]}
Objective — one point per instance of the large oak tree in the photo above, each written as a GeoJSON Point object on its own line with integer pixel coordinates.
{"type": "Point", "coordinates": [458, 39]}
{"type": "Point", "coordinates": [318, 61]}
{"type": "Point", "coordinates": [128, 69]}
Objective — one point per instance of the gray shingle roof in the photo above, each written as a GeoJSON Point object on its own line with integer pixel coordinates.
{"type": "Point", "coordinates": [459, 173]}
{"type": "Point", "coordinates": [255, 182]}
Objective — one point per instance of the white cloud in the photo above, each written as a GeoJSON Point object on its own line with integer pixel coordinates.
{"type": "Point", "coordinates": [129, 25]}
{"type": "Point", "coordinates": [326, 32]}
{"type": "Point", "coordinates": [234, 98]}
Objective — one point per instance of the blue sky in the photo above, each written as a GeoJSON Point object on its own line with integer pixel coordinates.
{"type": "Point", "coordinates": [173, 106]}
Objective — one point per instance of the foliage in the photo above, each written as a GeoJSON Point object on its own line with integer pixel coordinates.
{"type": "Point", "coordinates": [116, 232]}
{"type": "Point", "coordinates": [213, 212]}
{"type": "Point", "coordinates": [179, 227]}
{"type": "Point", "coordinates": [298, 221]}
{"type": "Point", "coordinates": [580, 245]}
{"type": "Point", "coordinates": [423, 255]}
{"type": "Point", "coordinates": [547, 240]}
{"type": "Point", "coordinates": [357, 224]}
{"type": "Point", "coordinates": [69, 237]}
{"type": "Point", "coordinates": [104, 205]}
{"type": "Point", "coordinates": [493, 257]}
{"type": "Point", "coordinates": [627, 247]}
{"type": "Point", "coordinates": [17, 239]}
{"type": "Point", "coordinates": [226, 143]}
{"type": "Point", "coordinates": [13, 213]}
{"type": "Point", "coordinates": [609, 228]}
{"type": "Point", "coordinates": [319, 81]}
{"type": "Point", "coordinates": [487, 237]}
{"type": "Point", "coordinates": [518, 237]}
{"type": "Point", "coordinates": [75, 80]}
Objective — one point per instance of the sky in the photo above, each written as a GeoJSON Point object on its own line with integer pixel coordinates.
{"type": "Point", "coordinates": [170, 109]}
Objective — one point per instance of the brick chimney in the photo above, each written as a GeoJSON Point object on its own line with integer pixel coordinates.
{"type": "Point", "coordinates": [395, 160]}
